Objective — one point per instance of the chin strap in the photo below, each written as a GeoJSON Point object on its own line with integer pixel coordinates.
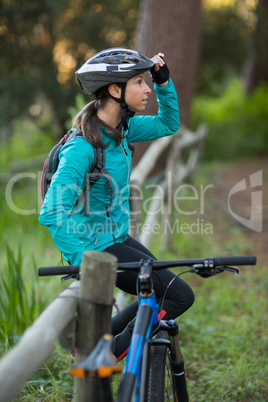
{"type": "Point", "coordinates": [125, 112]}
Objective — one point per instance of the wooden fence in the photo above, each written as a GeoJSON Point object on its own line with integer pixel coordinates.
{"type": "Point", "coordinates": [81, 314]}
{"type": "Point", "coordinates": [92, 297]}
{"type": "Point", "coordinates": [184, 149]}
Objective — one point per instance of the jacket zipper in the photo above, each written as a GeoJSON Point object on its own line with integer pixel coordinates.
{"type": "Point", "coordinates": [128, 164]}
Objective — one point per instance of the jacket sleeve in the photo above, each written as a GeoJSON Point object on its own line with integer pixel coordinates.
{"type": "Point", "coordinates": [166, 122]}
{"type": "Point", "coordinates": [76, 158]}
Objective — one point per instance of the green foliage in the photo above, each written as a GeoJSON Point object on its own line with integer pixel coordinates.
{"type": "Point", "coordinates": [20, 192]}
{"type": "Point", "coordinates": [20, 302]}
{"type": "Point", "coordinates": [226, 45]}
{"type": "Point", "coordinates": [237, 123]}
{"type": "Point", "coordinates": [27, 142]}
{"type": "Point", "coordinates": [44, 43]}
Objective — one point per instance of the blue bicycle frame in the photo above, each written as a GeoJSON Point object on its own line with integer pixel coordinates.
{"type": "Point", "coordinates": [146, 318]}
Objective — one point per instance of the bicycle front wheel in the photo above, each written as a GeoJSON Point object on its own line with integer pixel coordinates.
{"type": "Point", "coordinates": [161, 386]}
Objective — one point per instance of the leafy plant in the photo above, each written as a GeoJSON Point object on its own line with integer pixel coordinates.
{"type": "Point", "coordinates": [225, 47]}
{"type": "Point", "coordinates": [52, 382]}
{"type": "Point", "coordinates": [20, 302]}
{"type": "Point", "coordinates": [237, 123]}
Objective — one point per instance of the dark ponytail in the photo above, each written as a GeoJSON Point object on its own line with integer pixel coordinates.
{"type": "Point", "coordinates": [88, 122]}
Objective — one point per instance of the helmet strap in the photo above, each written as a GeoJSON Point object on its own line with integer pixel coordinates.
{"type": "Point", "coordinates": [125, 112]}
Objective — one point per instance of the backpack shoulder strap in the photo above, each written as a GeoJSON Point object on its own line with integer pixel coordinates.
{"type": "Point", "coordinates": [71, 134]}
{"type": "Point", "coordinates": [95, 172]}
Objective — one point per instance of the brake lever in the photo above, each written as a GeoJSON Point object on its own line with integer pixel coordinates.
{"type": "Point", "coordinates": [208, 271]}
{"type": "Point", "coordinates": [231, 269]}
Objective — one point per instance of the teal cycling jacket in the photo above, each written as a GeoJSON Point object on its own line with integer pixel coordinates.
{"type": "Point", "coordinates": [72, 231]}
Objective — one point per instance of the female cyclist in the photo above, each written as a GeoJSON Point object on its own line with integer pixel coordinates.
{"type": "Point", "coordinates": [116, 77]}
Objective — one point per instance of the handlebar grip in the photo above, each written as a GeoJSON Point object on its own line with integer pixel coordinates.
{"type": "Point", "coordinates": [59, 270]}
{"type": "Point", "coordinates": [243, 260]}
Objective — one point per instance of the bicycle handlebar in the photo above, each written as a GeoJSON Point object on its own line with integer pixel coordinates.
{"type": "Point", "coordinates": [242, 260]}
{"type": "Point", "coordinates": [59, 270]}
{"type": "Point", "coordinates": [198, 265]}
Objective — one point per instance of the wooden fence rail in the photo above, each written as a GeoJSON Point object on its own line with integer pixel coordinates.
{"type": "Point", "coordinates": [89, 302]}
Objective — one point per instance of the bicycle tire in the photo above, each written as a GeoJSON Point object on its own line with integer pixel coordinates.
{"type": "Point", "coordinates": [161, 386]}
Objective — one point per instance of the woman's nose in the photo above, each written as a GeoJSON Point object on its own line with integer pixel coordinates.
{"type": "Point", "coordinates": [147, 89]}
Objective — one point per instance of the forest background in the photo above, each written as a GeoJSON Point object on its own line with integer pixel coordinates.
{"type": "Point", "coordinates": [218, 57]}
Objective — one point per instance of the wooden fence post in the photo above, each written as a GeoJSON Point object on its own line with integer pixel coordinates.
{"type": "Point", "coordinates": [98, 275]}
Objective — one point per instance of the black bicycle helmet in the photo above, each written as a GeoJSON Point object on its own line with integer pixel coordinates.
{"type": "Point", "coordinates": [112, 66]}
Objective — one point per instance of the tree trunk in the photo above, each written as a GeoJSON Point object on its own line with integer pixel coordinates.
{"type": "Point", "coordinates": [174, 28]}
{"type": "Point", "coordinates": [258, 65]}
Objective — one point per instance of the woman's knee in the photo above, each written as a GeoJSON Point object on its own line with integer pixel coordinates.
{"type": "Point", "coordinates": [189, 297]}
{"type": "Point", "coordinates": [183, 296]}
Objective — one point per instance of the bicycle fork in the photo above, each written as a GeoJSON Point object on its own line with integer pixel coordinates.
{"type": "Point", "coordinates": [177, 360]}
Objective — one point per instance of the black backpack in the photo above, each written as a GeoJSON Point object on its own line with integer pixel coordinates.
{"type": "Point", "coordinates": [96, 171]}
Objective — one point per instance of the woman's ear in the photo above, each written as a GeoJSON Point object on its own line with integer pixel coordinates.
{"type": "Point", "coordinates": [114, 91]}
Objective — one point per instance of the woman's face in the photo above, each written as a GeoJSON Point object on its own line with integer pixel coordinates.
{"type": "Point", "coordinates": [137, 92]}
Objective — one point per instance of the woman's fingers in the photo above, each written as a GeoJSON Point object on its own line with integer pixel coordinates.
{"type": "Point", "coordinates": [159, 59]}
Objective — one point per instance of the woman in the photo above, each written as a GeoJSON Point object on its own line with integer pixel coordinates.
{"type": "Point", "coordinates": [117, 79]}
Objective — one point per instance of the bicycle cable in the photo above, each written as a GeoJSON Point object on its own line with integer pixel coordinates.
{"type": "Point", "coordinates": [168, 286]}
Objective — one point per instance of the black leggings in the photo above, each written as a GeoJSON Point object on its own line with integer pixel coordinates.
{"type": "Point", "coordinates": [178, 299]}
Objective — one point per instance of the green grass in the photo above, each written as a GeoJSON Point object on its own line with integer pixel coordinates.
{"type": "Point", "coordinates": [224, 337]}
{"type": "Point", "coordinates": [52, 382]}
{"type": "Point", "coordinates": [224, 334]}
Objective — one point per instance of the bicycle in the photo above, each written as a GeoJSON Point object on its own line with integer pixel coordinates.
{"type": "Point", "coordinates": [154, 368]}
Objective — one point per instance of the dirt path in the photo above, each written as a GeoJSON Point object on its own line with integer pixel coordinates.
{"type": "Point", "coordinates": [241, 198]}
